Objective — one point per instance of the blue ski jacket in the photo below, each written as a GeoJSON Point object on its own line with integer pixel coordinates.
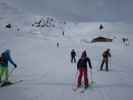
{"type": "Point", "coordinates": [7, 58]}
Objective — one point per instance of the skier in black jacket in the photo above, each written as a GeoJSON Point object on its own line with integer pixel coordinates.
{"type": "Point", "coordinates": [82, 67]}
{"type": "Point", "coordinates": [73, 56]}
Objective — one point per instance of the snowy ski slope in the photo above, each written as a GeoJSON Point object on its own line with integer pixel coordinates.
{"type": "Point", "coordinates": [46, 70]}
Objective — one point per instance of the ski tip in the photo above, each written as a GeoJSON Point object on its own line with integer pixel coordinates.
{"type": "Point", "coordinates": [6, 84]}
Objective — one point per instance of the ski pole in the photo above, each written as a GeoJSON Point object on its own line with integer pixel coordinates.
{"type": "Point", "coordinates": [11, 72]}
{"type": "Point", "coordinates": [91, 75]}
{"type": "Point", "coordinates": [75, 79]}
{"type": "Point", "coordinates": [110, 62]}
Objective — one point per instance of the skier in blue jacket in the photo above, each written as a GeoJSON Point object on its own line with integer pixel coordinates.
{"type": "Point", "coordinates": [4, 59]}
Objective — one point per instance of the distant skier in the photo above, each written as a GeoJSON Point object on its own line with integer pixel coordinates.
{"type": "Point", "coordinates": [73, 56]}
{"type": "Point", "coordinates": [57, 44]}
{"type": "Point", "coordinates": [8, 26]}
{"type": "Point", "coordinates": [82, 67]}
{"type": "Point", "coordinates": [4, 59]}
{"type": "Point", "coordinates": [106, 54]}
{"type": "Point", "coordinates": [125, 41]}
{"type": "Point", "coordinates": [63, 33]}
{"type": "Point", "coordinates": [101, 27]}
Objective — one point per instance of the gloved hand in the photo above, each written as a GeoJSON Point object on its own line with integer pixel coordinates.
{"type": "Point", "coordinates": [15, 66]}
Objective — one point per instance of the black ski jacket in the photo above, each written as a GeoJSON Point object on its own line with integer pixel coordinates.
{"type": "Point", "coordinates": [82, 63]}
{"type": "Point", "coordinates": [73, 54]}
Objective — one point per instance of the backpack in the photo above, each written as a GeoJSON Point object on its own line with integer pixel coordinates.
{"type": "Point", "coordinates": [1, 60]}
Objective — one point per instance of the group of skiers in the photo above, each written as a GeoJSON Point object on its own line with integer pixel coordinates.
{"type": "Point", "coordinates": [82, 65]}
{"type": "Point", "coordinates": [5, 57]}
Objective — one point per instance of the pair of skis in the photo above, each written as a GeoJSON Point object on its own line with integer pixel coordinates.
{"type": "Point", "coordinates": [82, 89]}
{"type": "Point", "coordinates": [91, 86]}
{"type": "Point", "coordinates": [8, 83]}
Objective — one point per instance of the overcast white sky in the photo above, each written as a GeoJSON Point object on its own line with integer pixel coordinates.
{"type": "Point", "coordinates": [80, 10]}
